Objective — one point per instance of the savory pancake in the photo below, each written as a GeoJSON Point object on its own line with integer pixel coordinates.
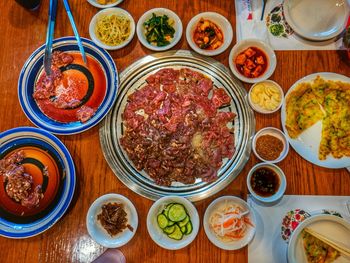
{"type": "Point", "coordinates": [316, 251]}
{"type": "Point", "coordinates": [324, 100]}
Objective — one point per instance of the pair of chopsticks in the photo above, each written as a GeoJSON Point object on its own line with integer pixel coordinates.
{"type": "Point", "coordinates": [343, 250]}
{"type": "Point", "coordinates": [50, 34]}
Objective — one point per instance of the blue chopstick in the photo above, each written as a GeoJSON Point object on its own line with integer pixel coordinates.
{"type": "Point", "coordinates": [75, 30]}
{"type": "Point", "coordinates": [49, 36]}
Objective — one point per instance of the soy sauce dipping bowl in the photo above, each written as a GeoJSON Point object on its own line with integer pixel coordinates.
{"type": "Point", "coordinates": [281, 188]}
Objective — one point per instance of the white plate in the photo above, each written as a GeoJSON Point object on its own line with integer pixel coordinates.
{"type": "Point", "coordinates": [94, 3]}
{"type": "Point", "coordinates": [111, 11]}
{"type": "Point", "coordinates": [316, 19]}
{"type": "Point", "coordinates": [307, 144]}
{"type": "Point", "coordinates": [157, 233]}
{"type": "Point", "coordinates": [333, 227]}
{"type": "Point", "coordinates": [159, 11]}
{"type": "Point", "coordinates": [99, 234]}
{"type": "Point", "coordinates": [234, 245]}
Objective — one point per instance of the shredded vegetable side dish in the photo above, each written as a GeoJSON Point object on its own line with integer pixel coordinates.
{"type": "Point", "coordinates": [113, 30]}
{"type": "Point", "coordinates": [230, 222]}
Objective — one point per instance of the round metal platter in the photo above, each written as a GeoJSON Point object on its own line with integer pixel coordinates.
{"type": "Point", "coordinates": [132, 79]}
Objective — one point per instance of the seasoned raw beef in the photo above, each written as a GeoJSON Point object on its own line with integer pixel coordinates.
{"type": "Point", "coordinates": [173, 129]}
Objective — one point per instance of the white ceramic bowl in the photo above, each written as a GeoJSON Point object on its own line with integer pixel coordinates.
{"type": "Point", "coordinates": [274, 132]}
{"type": "Point", "coordinates": [282, 188]}
{"type": "Point", "coordinates": [99, 234]}
{"type": "Point", "coordinates": [316, 20]}
{"type": "Point", "coordinates": [95, 4]}
{"type": "Point", "coordinates": [156, 232]}
{"type": "Point", "coordinates": [333, 227]}
{"type": "Point", "coordinates": [244, 44]}
{"type": "Point", "coordinates": [219, 20]}
{"type": "Point", "coordinates": [159, 11]}
{"type": "Point", "coordinates": [257, 107]}
{"type": "Point", "coordinates": [250, 232]}
{"type": "Point", "coordinates": [111, 11]}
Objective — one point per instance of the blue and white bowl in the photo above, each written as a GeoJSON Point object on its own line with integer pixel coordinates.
{"type": "Point", "coordinates": [33, 68]}
{"type": "Point", "coordinates": [17, 226]}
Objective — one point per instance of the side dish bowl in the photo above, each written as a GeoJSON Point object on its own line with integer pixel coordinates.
{"type": "Point", "coordinates": [232, 245]}
{"type": "Point", "coordinates": [221, 22]}
{"type": "Point", "coordinates": [259, 108]}
{"type": "Point", "coordinates": [177, 25]}
{"type": "Point", "coordinates": [276, 133]}
{"type": "Point", "coordinates": [279, 191]}
{"type": "Point", "coordinates": [96, 4]}
{"type": "Point", "coordinates": [243, 45]}
{"type": "Point", "coordinates": [157, 233]}
{"type": "Point", "coordinates": [107, 12]}
{"type": "Point", "coordinates": [333, 227]}
{"type": "Point", "coordinates": [96, 230]}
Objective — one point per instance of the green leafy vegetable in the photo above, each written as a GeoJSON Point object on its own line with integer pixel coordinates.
{"type": "Point", "coordinates": [276, 29]}
{"type": "Point", "coordinates": [159, 31]}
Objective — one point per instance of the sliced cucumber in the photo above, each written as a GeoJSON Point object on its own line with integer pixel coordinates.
{"type": "Point", "coordinates": [177, 234]}
{"type": "Point", "coordinates": [169, 229]}
{"type": "Point", "coordinates": [162, 221]}
{"type": "Point", "coordinates": [184, 222]}
{"type": "Point", "coordinates": [174, 221]}
{"type": "Point", "coordinates": [189, 228]}
{"type": "Point", "coordinates": [177, 213]}
{"type": "Point", "coordinates": [166, 209]}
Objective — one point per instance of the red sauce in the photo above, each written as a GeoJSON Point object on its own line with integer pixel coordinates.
{"type": "Point", "coordinates": [252, 62]}
{"type": "Point", "coordinates": [50, 190]}
{"type": "Point", "coordinates": [74, 85]}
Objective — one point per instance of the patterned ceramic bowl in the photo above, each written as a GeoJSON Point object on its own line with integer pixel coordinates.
{"type": "Point", "coordinates": [100, 94]}
{"type": "Point", "coordinates": [49, 163]}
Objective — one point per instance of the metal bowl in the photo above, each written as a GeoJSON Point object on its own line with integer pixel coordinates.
{"type": "Point", "coordinates": [132, 79]}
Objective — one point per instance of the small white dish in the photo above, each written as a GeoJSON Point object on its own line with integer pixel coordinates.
{"type": "Point", "coordinates": [111, 11]}
{"type": "Point", "coordinates": [256, 106]}
{"type": "Point", "coordinates": [96, 4]}
{"type": "Point", "coordinates": [244, 44]}
{"type": "Point", "coordinates": [157, 234]}
{"type": "Point", "coordinates": [140, 30]}
{"type": "Point", "coordinates": [221, 22]}
{"type": "Point", "coordinates": [335, 228]}
{"type": "Point", "coordinates": [278, 134]}
{"type": "Point", "coordinates": [316, 20]}
{"type": "Point", "coordinates": [282, 187]}
{"type": "Point", "coordinates": [96, 230]}
{"type": "Point", "coordinates": [237, 244]}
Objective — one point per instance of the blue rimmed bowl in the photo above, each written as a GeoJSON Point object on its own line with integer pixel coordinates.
{"type": "Point", "coordinates": [32, 70]}
{"type": "Point", "coordinates": [41, 148]}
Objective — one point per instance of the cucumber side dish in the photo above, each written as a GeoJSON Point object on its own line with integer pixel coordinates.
{"type": "Point", "coordinates": [175, 221]}
{"type": "Point", "coordinates": [159, 30]}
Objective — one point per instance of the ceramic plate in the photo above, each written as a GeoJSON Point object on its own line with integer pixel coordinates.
{"type": "Point", "coordinates": [42, 150]}
{"type": "Point", "coordinates": [333, 227]}
{"type": "Point", "coordinates": [102, 77]}
{"type": "Point", "coordinates": [96, 4]}
{"type": "Point", "coordinates": [217, 204]}
{"type": "Point", "coordinates": [308, 142]}
{"type": "Point", "coordinates": [316, 19]}
{"type": "Point", "coordinates": [96, 230]}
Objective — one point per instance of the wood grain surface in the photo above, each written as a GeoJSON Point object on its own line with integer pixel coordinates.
{"type": "Point", "coordinates": [22, 31]}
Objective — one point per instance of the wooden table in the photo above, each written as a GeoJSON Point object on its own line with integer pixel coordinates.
{"type": "Point", "coordinates": [21, 32]}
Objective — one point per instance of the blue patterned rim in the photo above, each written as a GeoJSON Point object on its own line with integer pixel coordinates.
{"type": "Point", "coordinates": [10, 138]}
{"type": "Point", "coordinates": [34, 66]}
